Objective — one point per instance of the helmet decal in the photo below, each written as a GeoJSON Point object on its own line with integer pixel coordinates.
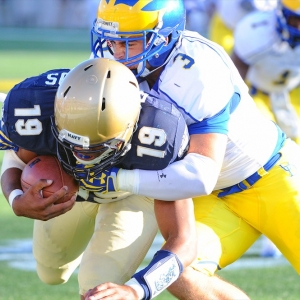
{"type": "Point", "coordinates": [126, 2]}
{"type": "Point", "coordinates": [150, 5]}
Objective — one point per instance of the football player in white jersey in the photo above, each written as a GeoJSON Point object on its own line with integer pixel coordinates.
{"type": "Point", "coordinates": [270, 65]}
{"type": "Point", "coordinates": [240, 168]}
{"type": "Point", "coordinates": [267, 55]}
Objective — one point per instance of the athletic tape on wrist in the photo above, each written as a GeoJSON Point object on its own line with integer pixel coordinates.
{"type": "Point", "coordinates": [137, 287]}
{"type": "Point", "coordinates": [163, 270]}
{"type": "Point", "coordinates": [13, 194]}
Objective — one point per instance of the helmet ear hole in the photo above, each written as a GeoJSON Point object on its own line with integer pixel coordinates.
{"type": "Point", "coordinates": [85, 69]}
{"type": "Point", "coordinates": [103, 104]}
{"type": "Point", "coordinates": [133, 83]}
{"type": "Point", "coordinates": [66, 92]}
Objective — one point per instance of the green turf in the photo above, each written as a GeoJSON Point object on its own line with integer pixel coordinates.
{"type": "Point", "coordinates": [26, 53]}
{"type": "Point", "coordinates": [278, 283]}
{"type": "Point", "coordinates": [22, 285]}
{"type": "Point", "coordinates": [17, 285]}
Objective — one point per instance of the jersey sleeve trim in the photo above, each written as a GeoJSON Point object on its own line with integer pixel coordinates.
{"type": "Point", "coordinates": [219, 122]}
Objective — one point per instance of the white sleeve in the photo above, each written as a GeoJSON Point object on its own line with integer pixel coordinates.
{"type": "Point", "coordinates": [11, 160]}
{"type": "Point", "coordinates": [195, 175]}
{"type": "Point", "coordinates": [2, 97]}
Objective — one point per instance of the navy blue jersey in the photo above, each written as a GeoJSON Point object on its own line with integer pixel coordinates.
{"type": "Point", "coordinates": [27, 110]}
{"type": "Point", "coordinates": [161, 136]}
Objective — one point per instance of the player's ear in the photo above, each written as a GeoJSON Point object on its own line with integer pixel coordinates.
{"type": "Point", "coordinates": [167, 40]}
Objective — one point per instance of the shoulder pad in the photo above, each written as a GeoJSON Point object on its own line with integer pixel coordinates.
{"type": "Point", "coordinates": [27, 110]}
{"type": "Point", "coordinates": [160, 139]}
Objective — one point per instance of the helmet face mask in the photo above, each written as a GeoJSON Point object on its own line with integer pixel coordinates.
{"type": "Point", "coordinates": [288, 21]}
{"type": "Point", "coordinates": [84, 163]}
{"type": "Point", "coordinates": [105, 42]}
{"type": "Point", "coordinates": [95, 114]}
{"type": "Point", "coordinates": [157, 24]}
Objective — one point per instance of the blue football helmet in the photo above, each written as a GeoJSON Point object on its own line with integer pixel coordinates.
{"type": "Point", "coordinates": [288, 9]}
{"type": "Point", "coordinates": [150, 21]}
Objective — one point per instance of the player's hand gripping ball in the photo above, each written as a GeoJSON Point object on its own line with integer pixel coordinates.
{"type": "Point", "coordinates": [48, 167]}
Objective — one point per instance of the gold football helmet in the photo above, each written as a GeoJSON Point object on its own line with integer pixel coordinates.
{"type": "Point", "coordinates": [95, 114]}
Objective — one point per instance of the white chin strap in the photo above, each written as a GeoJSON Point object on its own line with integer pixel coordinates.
{"type": "Point", "coordinates": [146, 71]}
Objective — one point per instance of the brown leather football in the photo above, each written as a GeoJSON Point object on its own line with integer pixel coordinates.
{"type": "Point", "coordinates": [48, 167]}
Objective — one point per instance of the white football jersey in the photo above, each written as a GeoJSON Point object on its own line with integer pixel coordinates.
{"type": "Point", "coordinates": [206, 86]}
{"type": "Point", "coordinates": [274, 65]}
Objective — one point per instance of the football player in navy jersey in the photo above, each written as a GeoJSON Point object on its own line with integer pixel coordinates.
{"type": "Point", "coordinates": [94, 117]}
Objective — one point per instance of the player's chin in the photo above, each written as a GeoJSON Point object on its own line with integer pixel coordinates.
{"type": "Point", "coordinates": [132, 67]}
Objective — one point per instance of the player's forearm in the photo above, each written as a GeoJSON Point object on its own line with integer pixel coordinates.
{"type": "Point", "coordinates": [178, 228]}
{"type": "Point", "coordinates": [10, 180]}
{"type": "Point", "coordinates": [179, 231]}
{"type": "Point", "coordinates": [195, 175]}
{"type": "Point", "coordinates": [11, 171]}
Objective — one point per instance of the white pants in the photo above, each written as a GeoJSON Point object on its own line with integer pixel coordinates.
{"type": "Point", "coordinates": [109, 241]}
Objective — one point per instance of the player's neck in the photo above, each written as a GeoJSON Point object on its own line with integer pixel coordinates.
{"type": "Point", "coordinates": [152, 77]}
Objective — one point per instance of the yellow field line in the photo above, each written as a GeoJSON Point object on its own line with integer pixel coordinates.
{"type": "Point", "coordinates": [7, 84]}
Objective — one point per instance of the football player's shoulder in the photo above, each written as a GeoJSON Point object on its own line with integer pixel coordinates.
{"type": "Point", "coordinates": [25, 90]}
{"type": "Point", "coordinates": [194, 56]}
{"type": "Point", "coordinates": [36, 92]}
{"type": "Point", "coordinates": [192, 43]}
{"type": "Point", "coordinates": [49, 78]}
{"type": "Point", "coordinates": [256, 32]}
{"type": "Point", "coordinates": [159, 104]}
{"type": "Point", "coordinates": [159, 137]}
{"type": "Point", "coordinates": [27, 110]}
{"type": "Point", "coordinates": [189, 79]}
{"type": "Point", "coordinates": [52, 77]}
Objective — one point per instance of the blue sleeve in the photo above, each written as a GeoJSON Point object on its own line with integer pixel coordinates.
{"type": "Point", "coordinates": [217, 123]}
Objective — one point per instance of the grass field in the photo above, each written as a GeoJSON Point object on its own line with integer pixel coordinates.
{"type": "Point", "coordinates": [26, 53]}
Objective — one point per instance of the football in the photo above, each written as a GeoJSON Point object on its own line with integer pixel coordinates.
{"type": "Point", "coordinates": [48, 167]}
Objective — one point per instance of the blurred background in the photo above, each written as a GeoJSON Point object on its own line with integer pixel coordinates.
{"type": "Point", "coordinates": [47, 13]}
{"type": "Point", "coordinates": [39, 35]}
